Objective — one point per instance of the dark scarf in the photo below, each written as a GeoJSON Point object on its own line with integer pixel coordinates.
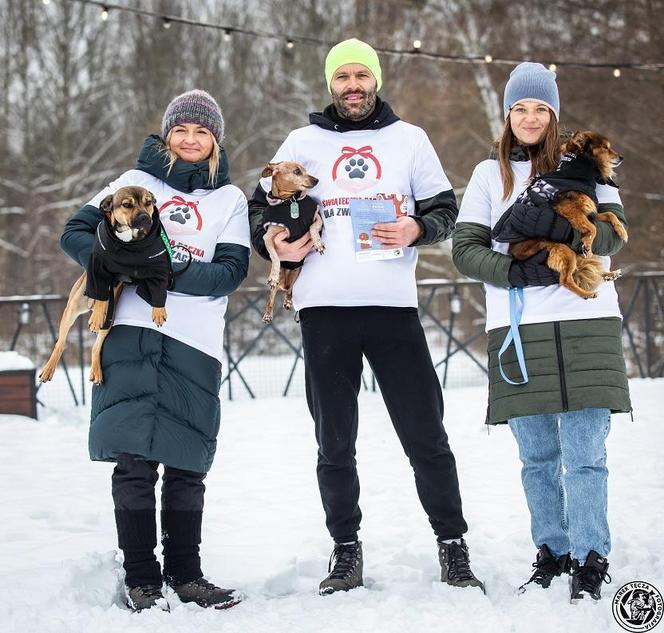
{"type": "Point", "coordinates": [329, 119]}
{"type": "Point", "coordinates": [146, 262]}
{"type": "Point", "coordinates": [518, 153]}
{"type": "Point", "coordinates": [184, 176]}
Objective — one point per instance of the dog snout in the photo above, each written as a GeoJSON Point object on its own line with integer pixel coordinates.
{"type": "Point", "coordinates": [618, 161]}
{"type": "Point", "coordinates": [142, 221]}
{"type": "Point", "coordinates": [314, 181]}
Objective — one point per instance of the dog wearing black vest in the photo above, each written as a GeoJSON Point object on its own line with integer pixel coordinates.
{"type": "Point", "coordinates": [587, 159]}
{"type": "Point", "coordinates": [130, 247]}
{"type": "Point", "coordinates": [289, 209]}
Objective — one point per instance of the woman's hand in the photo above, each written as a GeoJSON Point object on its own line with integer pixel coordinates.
{"type": "Point", "coordinates": [397, 234]}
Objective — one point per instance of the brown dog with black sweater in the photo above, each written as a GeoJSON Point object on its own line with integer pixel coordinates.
{"type": "Point", "coordinates": [587, 159]}
{"type": "Point", "coordinates": [289, 210]}
{"type": "Point", "coordinates": [129, 247]}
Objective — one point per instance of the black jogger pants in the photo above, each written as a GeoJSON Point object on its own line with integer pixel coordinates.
{"type": "Point", "coordinates": [392, 339]}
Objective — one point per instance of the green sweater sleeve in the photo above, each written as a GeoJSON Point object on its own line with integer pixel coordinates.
{"type": "Point", "coordinates": [473, 256]}
{"type": "Point", "coordinates": [606, 241]}
{"type": "Point", "coordinates": [217, 278]}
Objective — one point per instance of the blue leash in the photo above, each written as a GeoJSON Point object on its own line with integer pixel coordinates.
{"type": "Point", "coordinates": [516, 310]}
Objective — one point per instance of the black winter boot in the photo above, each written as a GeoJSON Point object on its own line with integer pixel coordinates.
{"type": "Point", "coordinates": [146, 597]}
{"type": "Point", "coordinates": [345, 569]}
{"type": "Point", "coordinates": [137, 538]}
{"type": "Point", "coordinates": [586, 579]}
{"type": "Point", "coordinates": [205, 594]}
{"type": "Point", "coordinates": [547, 567]}
{"type": "Point", "coordinates": [455, 565]}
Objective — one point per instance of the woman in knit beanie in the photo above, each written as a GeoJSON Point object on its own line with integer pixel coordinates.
{"type": "Point", "coordinates": [559, 405]}
{"type": "Point", "coordinates": [159, 401]}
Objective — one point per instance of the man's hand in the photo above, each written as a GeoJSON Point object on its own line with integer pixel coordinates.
{"type": "Point", "coordinates": [397, 234]}
{"type": "Point", "coordinates": [294, 251]}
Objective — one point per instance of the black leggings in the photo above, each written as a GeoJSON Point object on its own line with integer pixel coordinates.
{"type": "Point", "coordinates": [182, 494]}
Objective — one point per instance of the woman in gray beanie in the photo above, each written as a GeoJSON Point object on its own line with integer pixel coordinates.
{"type": "Point", "coordinates": [560, 414]}
{"type": "Point", "coordinates": [159, 402]}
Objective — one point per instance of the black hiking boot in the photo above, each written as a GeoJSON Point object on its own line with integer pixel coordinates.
{"type": "Point", "coordinates": [205, 594]}
{"type": "Point", "coordinates": [345, 569]}
{"type": "Point", "coordinates": [586, 579]}
{"type": "Point", "coordinates": [455, 565]}
{"type": "Point", "coordinates": [547, 567]}
{"type": "Point", "coordinates": [146, 597]}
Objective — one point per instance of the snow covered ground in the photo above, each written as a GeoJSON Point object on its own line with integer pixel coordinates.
{"type": "Point", "coordinates": [264, 531]}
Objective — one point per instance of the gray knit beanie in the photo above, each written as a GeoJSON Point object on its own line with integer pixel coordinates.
{"type": "Point", "coordinates": [195, 106]}
{"type": "Point", "coordinates": [531, 81]}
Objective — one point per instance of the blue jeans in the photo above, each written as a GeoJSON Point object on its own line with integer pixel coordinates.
{"type": "Point", "coordinates": [564, 477]}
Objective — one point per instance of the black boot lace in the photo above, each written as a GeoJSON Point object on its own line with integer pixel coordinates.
{"type": "Point", "coordinates": [343, 560]}
{"type": "Point", "coordinates": [546, 569]}
{"type": "Point", "coordinates": [459, 562]}
{"type": "Point", "coordinates": [589, 579]}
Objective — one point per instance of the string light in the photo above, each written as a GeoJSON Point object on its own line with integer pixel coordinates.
{"type": "Point", "coordinates": [46, 2]}
{"type": "Point", "coordinates": [553, 68]}
{"type": "Point", "coordinates": [166, 23]}
{"type": "Point", "coordinates": [291, 39]}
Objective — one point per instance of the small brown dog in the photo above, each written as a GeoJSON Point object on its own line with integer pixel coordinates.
{"type": "Point", "coordinates": [582, 274]}
{"type": "Point", "coordinates": [288, 210]}
{"type": "Point", "coordinates": [131, 223]}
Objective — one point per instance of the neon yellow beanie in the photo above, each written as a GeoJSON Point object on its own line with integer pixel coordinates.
{"type": "Point", "coordinates": [352, 51]}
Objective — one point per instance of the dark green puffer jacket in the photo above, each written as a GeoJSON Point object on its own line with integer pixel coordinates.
{"type": "Point", "coordinates": [160, 397]}
{"type": "Point", "coordinates": [571, 364]}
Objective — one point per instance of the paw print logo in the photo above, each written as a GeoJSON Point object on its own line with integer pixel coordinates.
{"type": "Point", "coordinates": [180, 216]}
{"type": "Point", "coordinates": [356, 169]}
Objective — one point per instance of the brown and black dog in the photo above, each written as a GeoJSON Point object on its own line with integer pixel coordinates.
{"type": "Point", "coordinates": [580, 273]}
{"type": "Point", "coordinates": [289, 210]}
{"type": "Point", "coordinates": [130, 216]}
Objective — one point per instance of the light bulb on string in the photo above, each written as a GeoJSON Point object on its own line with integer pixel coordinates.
{"type": "Point", "coordinates": [488, 59]}
{"type": "Point", "coordinates": [104, 14]}
{"type": "Point", "coordinates": [616, 72]}
{"type": "Point", "coordinates": [227, 35]}
{"type": "Point", "coordinates": [166, 23]}
{"type": "Point", "coordinates": [553, 68]}
{"type": "Point", "coordinates": [290, 44]}
{"type": "Point", "coordinates": [417, 44]}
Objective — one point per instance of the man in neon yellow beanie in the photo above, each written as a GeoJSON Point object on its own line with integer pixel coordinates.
{"type": "Point", "coordinates": [349, 307]}
{"type": "Point", "coordinates": [353, 68]}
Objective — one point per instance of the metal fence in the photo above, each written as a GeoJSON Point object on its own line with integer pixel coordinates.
{"type": "Point", "coordinates": [265, 360]}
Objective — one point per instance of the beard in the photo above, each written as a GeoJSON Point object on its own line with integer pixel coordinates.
{"type": "Point", "coordinates": [358, 110]}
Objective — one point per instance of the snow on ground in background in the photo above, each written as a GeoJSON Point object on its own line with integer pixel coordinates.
{"type": "Point", "coordinates": [13, 361]}
{"type": "Point", "coordinates": [264, 529]}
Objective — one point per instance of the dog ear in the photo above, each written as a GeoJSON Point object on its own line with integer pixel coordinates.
{"type": "Point", "coordinates": [578, 143]}
{"type": "Point", "coordinates": [106, 204]}
{"type": "Point", "coordinates": [268, 170]}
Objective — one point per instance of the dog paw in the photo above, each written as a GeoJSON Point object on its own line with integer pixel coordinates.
{"type": "Point", "coordinates": [95, 325]}
{"type": "Point", "coordinates": [158, 316]}
{"type": "Point", "coordinates": [272, 281]}
{"type": "Point", "coordinates": [586, 251]}
{"type": "Point", "coordinates": [45, 375]}
{"type": "Point", "coordinates": [320, 248]}
{"type": "Point", "coordinates": [96, 376]}
{"type": "Point", "coordinates": [612, 275]}
{"type": "Point", "coordinates": [287, 304]}
{"type": "Point", "coordinates": [267, 317]}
